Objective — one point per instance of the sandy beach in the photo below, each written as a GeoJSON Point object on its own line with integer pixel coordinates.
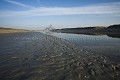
{"type": "Point", "coordinates": [37, 56]}
{"type": "Point", "coordinates": [11, 30]}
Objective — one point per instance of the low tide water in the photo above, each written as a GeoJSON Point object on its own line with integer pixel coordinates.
{"type": "Point", "coordinates": [36, 56]}
{"type": "Point", "coordinates": [99, 44]}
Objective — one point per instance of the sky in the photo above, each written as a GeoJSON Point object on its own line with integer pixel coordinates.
{"type": "Point", "coordinates": [39, 14]}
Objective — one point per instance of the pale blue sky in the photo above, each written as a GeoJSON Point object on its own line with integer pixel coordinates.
{"type": "Point", "coordinates": [38, 14]}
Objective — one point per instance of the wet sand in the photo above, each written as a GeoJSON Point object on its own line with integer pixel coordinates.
{"type": "Point", "coordinates": [36, 56]}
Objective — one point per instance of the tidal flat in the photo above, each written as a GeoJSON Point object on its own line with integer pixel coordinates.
{"type": "Point", "coordinates": [37, 56]}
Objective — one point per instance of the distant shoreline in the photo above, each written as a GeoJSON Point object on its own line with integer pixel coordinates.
{"type": "Point", "coordinates": [112, 31]}
{"type": "Point", "coordinates": [96, 29]}
{"type": "Point", "coordinates": [12, 30]}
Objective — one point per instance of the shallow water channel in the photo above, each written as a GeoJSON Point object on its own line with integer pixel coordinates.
{"type": "Point", "coordinates": [100, 44]}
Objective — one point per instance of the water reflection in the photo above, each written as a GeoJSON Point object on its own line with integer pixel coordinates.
{"type": "Point", "coordinates": [89, 40]}
{"type": "Point", "coordinates": [107, 45]}
{"type": "Point", "coordinates": [113, 35]}
{"type": "Point", "coordinates": [48, 32]}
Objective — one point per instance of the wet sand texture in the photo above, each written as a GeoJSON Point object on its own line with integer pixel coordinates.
{"type": "Point", "coordinates": [36, 56]}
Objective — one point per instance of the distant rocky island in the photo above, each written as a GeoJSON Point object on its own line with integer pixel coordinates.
{"type": "Point", "coordinates": [112, 30]}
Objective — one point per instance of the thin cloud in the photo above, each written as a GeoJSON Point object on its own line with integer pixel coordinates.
{"type": "Point", "coordinates": [111, 9]}
{"type": "Point", "coordinates": [18, 3]}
